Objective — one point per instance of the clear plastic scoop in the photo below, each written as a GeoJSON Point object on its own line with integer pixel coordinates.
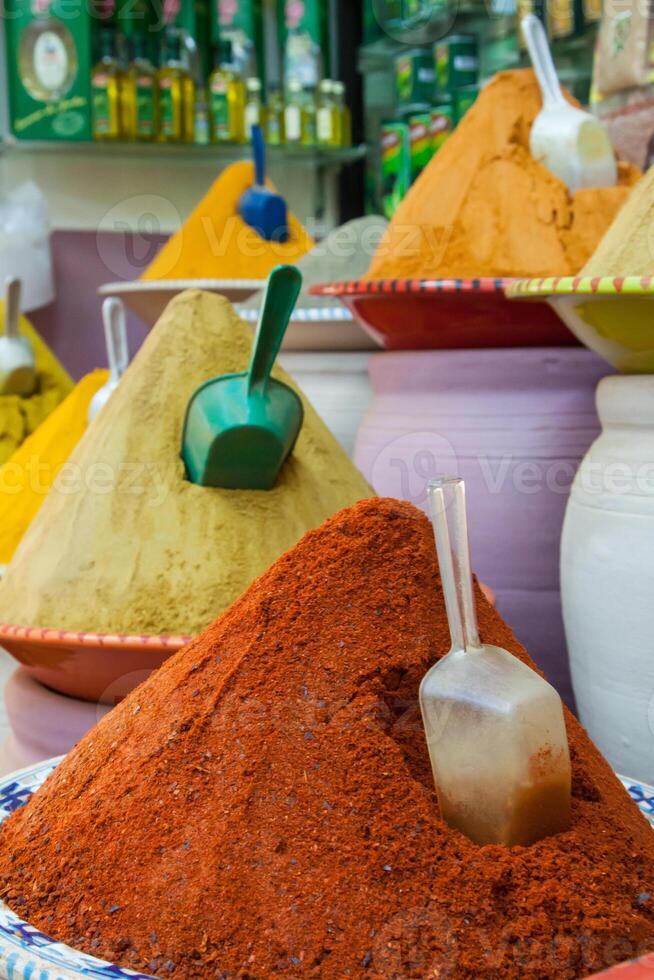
{"type": "Point", "coordinates": [115, 334]}
{"type": "Point", "coordinates": [17, 364]}
{"type": "Point", "coordinates": [495, 728]}
{"type": "Point", "coordinates": [573, 144]}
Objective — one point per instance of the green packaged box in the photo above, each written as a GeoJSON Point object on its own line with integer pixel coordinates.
{"type": "Point", "coordinates": [49, 60]}
{"type": "Point", "coordinates": [304, 40]}
{"type": "Point", "coordinates": [441, 124]}
{"type": "Point", "coordinates": [457, 62]}
{"type": "Point", "coordinates": [395, 164]}
{"type": "Point", "coordinates": [463, 99]}
{"type": "Point", "coordinates": [415, 77]}
{"type": "Point", "coordinates": [420, 143]}
{"type": "Point", "coordinates": [241, 23]}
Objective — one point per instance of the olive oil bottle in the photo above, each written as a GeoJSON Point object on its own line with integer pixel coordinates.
{"type": "Point", "coordinates": [226, 99]}
{"type": "Point", "coordinates": [176, 93]}
{"type": "Point", "coordinates": [309, 118]}
{"type": "Point", "coordinates": [275, 127]}
{"type": "Point", "coordinates": [255, 113]}
{"type": "Point", "coordinates": [343, 115]}
{"type": "Point", "coordinates": [139, 93]}
{"type": "Point", "coordinates": [107, 81]}
{"type": "Point", "coordinates": [327, 115]}
{"type": "Point", "coordinates": [293, 113]}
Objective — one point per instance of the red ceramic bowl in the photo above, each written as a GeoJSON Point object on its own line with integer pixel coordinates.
{"type": "Point", "coordinates": [642, 969]}
{"type": "Point", "coordinates": [434, 314]}
{"type": "Point", "coordinates": [95, 667]}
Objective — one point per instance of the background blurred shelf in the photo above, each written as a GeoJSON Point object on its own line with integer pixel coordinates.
{"type": "Point", "coordinates": [126, 187]}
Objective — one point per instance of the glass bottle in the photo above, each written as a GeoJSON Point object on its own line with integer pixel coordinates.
{"type": "Point", "coordinates": [139, 93]}
{"type": "Point", "coordinates": [176, 93]}
{"type": "Point", "coordinates": [106, 86]}
{"type": "Point", "coordinates": [293, 113]}
{"type": "Point", "coordinates": [327, 116]}
{"type": "Point", "coordinates": [227, 99]}
{"type": "Point", "coordinates": [254, 108]}
{"type": "Point", "coordinates": [309, 123]}
{"type": "Point", "coordinates": [343, 115]}
{"type": "Point", "coordinates": [275, 128]}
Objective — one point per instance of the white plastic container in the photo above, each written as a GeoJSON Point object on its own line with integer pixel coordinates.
{"type": "Point", "coordinates": [607, 578]}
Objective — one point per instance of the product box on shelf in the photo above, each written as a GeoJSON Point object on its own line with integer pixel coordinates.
{"type": "Point", "coordinates": [395, 164]}
{"type": "Point", "coordinates": [415, 79]}
{"type": "Point", "coordinates": [49, 60]}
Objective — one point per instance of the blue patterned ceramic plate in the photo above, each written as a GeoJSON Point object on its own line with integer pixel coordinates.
{"type": "Point", "coordinates": [26, 954]}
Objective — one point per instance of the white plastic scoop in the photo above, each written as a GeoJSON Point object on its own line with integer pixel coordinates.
{"type": "Point", "coordinates": [115, 333]}
{"type": "Point", "coordinates": [17, 365]}
{"type": "Point", "coordinates": [573, 144]}
{"type": "Point", "coordinates": [495, 729]}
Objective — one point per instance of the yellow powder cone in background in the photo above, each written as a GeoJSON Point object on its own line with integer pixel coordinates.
{"type": "Point", "coordinates": [485, 207]}
{"type": "Point", "coordinates": [627, 248]}
{"type": "Point", "coordinates": [28, 475]}
{"type": "Point", "coordinates": [126, 543]}
{"type": "Point", "coordinates": [215, 243]}
{"type": "Point", "coordinates": [21, 416]}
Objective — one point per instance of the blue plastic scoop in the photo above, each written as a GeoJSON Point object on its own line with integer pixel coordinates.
{"type": "Point", "coordinates": [241, 428]}
{"type": "Point", "coordinates": [259, 207]}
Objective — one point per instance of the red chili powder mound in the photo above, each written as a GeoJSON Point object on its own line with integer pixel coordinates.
{"type": "Point", "coordinates": [263, 805]}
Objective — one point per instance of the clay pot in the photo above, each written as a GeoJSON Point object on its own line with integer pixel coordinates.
{"type": "Point", "coordinates": [515, 424]}
{"type": "Point", "coordinates": [607, 578]}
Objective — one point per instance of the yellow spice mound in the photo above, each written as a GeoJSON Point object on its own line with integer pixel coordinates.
{"type": "Point", "coordinates": [28, 475]}
{"type": "Point", "coordinates": [485, 207]}
{"type": "Point", "coordinates": [124, 542]}
{"type": "Point", "coordinates": [21, 416]}
{"type": "Point", "coordinates": [215, 243]}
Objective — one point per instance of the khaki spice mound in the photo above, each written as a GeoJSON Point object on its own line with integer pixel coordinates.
{"type": "Point", "coordinates": [123, 542]}
{"type": "Point", "coordinates": [263, 805]}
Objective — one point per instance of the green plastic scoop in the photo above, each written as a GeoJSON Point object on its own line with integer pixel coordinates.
{"type": "Point", "coordinates": [241, 428]}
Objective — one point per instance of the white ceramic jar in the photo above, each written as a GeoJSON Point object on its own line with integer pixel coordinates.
{"type": "Point", "coordinates": [607, 578]}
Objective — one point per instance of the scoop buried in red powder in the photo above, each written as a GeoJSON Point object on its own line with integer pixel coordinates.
{"type": "Point", "coordinates": [264, 806]}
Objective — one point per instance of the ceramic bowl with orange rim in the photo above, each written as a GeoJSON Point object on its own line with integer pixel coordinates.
{"type": "Point", "coordinates": [98, 667]}
{"type": "Point", "coordinates": [612, 315]}
{"type": "Point", "coordinates": [439, 314]}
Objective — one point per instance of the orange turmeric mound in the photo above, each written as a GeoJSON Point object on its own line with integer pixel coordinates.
{"type": "Point", "coordinates": [485, 207]}
{"type": "Point", "coordinates": [215, 243]}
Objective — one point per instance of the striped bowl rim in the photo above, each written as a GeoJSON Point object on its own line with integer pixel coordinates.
{"type": "Point", "coordinates": [581, 285]}
{"type": "Point", "coordinates": [387, 287]}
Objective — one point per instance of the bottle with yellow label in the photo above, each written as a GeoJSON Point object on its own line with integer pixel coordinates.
{"type": "Point", "coordinates": [255, 113]}
{"type": "Point", "coordinates": [106, 88]}
{"type": "Point", "coordinates": [226, 99]}
{"type": "Point", "coordinates": [343, 116]}
{"type": "Point", "coordinates": [139, 93]}
{"type": "Point", "coordinates": [176, 93]}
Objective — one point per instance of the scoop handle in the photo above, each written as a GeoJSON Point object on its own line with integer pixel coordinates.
{"type": "Point", "coordinates": [259, 154]}
{"type": "Point", "coordinates": [448, 514]}
{"type": "Point", "coordinates": [282, 291]}
{"type": "Point", "coordinates": [12, 307]}
{"type": "Point", "coordinates": [115, 335]}
{"type": "Point", "coordinates": [541, 58]}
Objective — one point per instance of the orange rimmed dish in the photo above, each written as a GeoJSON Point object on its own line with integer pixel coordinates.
{"type": "Point", "coordinates": [98, 667]}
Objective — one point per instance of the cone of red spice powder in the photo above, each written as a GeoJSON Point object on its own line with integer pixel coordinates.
{"type": "Point", "coordinates": [263, 805]}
